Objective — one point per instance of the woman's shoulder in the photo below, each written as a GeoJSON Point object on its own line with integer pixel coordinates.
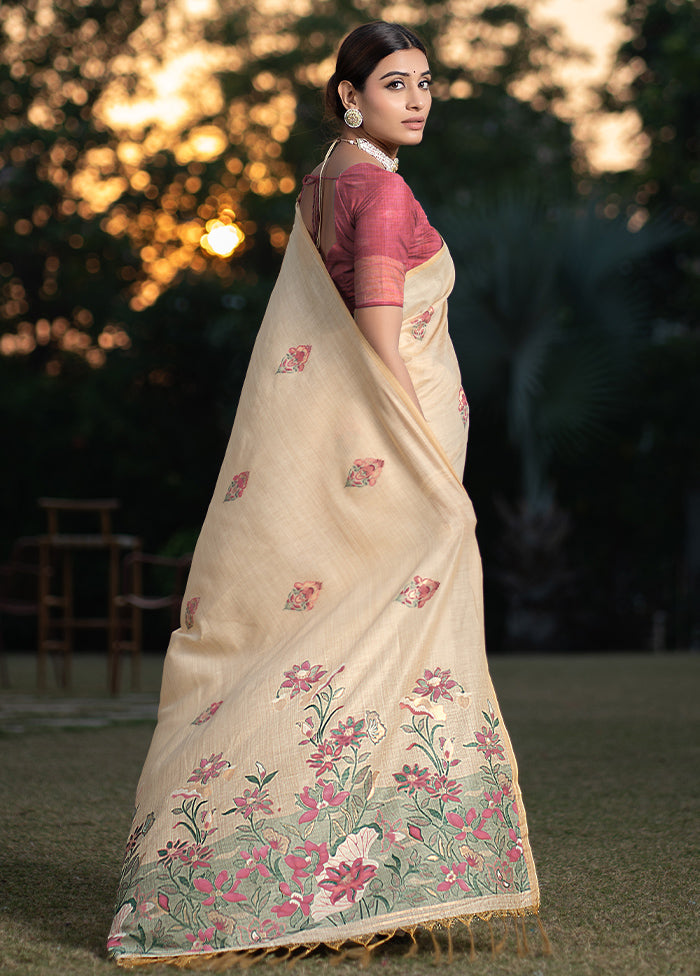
{"type": "Point", "coordinates": [368, 185]}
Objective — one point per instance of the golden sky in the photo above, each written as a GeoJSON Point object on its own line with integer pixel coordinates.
{"type": "Point", "coordinates": [613, 141]}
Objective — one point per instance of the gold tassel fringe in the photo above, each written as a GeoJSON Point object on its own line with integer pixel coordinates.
{"type": "Point", "coordinates": [359, 949]}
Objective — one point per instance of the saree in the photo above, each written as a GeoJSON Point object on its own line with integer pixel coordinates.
{"type": "Point", "coordinates": [330, 764]}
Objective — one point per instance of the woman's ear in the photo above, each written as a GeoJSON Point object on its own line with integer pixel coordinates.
{"type": "Point", "coordinates": [346, 91]}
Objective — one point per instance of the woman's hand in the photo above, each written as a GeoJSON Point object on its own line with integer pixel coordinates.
{"type": "Point", "coordinates": [381, 327]}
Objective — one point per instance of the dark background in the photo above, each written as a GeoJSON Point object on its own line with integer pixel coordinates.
{"type": "Point", "coordinates": [575, 315]}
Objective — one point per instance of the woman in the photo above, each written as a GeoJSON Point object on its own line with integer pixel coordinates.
{"type": "Point", "coordinates": [329, 764]}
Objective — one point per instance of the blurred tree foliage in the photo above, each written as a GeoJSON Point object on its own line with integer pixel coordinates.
{"type": "Point", "coordinates": [127, 126]}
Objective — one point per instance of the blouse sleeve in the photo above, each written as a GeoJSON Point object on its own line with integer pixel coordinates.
{"type": "Point", "coordinates": [384, 220]}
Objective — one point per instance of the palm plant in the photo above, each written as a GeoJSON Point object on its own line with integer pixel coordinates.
{"type": "Point", "coordinates": [547, 317]}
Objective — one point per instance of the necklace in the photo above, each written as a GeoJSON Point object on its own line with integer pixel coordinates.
{"type": "Point", "coordinates": [389, 163]}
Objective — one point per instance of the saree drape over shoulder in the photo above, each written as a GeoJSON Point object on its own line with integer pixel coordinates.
{"type": "Point", "coordinates": [330, 762]}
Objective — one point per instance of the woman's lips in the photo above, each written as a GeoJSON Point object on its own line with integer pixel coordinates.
{"type": "Point", "coordinates": [414, 123]}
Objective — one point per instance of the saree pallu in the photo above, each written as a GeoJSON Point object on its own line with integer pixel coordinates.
{"type": "Point", "coordinates": [329, 762]}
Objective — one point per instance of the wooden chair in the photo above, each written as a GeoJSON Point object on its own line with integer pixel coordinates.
{"type": "Point", "coordinates": [59, 547]}
{"type": "Point", "coordinates": [130, 603]}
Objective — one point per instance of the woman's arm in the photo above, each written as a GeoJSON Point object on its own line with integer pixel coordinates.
{"type": "Point", "coordinates": [381, 327]}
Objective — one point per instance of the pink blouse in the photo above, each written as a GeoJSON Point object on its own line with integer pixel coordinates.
{"type": "Point", "coordinates": [381, 232]}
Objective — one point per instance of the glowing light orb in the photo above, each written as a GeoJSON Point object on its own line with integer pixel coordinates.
{"type": "Point", "coordinates": [221, 238]}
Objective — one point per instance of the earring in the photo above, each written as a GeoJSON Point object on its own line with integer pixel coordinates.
{"type": "Point", "coordinates": [353, 118]}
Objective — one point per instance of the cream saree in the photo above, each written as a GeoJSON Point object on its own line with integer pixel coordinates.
{"type": "Point", "coordinates": [329, 762]}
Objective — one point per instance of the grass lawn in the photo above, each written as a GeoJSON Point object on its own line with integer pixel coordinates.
{"type": "Point", "coordinates": [609, 753]}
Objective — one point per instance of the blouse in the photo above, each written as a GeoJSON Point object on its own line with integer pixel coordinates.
{"type": "Point", "coordinates": [381, 233]}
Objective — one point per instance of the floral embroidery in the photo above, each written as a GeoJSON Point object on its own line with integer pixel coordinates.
{"type": "Point", "coordinates": [209, 769]}
{"type": "Point", "coordinates": [417, 592]}
{"type": "Point", "coordinates": [420, 323]}
{"type": "Point", "coordinates": [295, 360]}
{"type": "Point", "coordinates": [237, 486]}
{"type": "Point", "coordinates": [356, 845]}
{"type": "Point", "coordinates": [463, 406]}
{"type": "Point", "coordinates": [303, 596]}
{"type": "Point", "coordinates": [435, 684]}
{"type": "Point", "coordinates": [364, 473]}
{"type": "Point", "coordinates": [301, 678]}
{"type": "Point", "coordinates": [208, 713]}
{"type": "Point", "coordinates": [190, 611]}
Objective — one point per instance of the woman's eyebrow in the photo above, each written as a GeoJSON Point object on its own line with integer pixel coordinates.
{"type": "Point", "coordinates": [404, 74]}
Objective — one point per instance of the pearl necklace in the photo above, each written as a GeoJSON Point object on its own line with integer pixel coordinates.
{"type": "Point", "coordinates": [389, 163]}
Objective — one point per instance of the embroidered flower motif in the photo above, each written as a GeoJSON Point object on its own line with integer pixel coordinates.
{"type": "Point", "coordinates": [198, 855]}
{"type": "Point", "coordinates": [208, 713]}
{"type": "Point", "coordinates": [364, 472]}
{"type": "Point", "coordinates": [420, 323]}
{"type": "Point", "coordinates": [453, 876]}
{"type": "Point", "coordinates": [412, 778]}
{"type": "Point", "coordinates": [200, 942]}
{"type": "Point", "coordinates": [463, 406]}
{"type": "Point", "coordinates": [309, 859]}
{"type": "Point", "coordinates": [489, 742]}
{"type": "Point", "coordinates": [117, 932]}
{"type": "Point", "coordinates": [237, 486]}
{"type": "Point", "coordinates": [297, 900]}
{"type": "Point", "coordinates": [219, 888]}
{"type": "Point", "coordinates": [278, 842]}
{"type": "Point", "coordinates": [252, 801]}
{"type": "Point", "coordinates": [435, 685]}
{"type": "Point", "coordinates": [473, 858]}
{"type": "Point", "coordinates": [516, 851]}
{"type": "Point", "coordinates": [502, 875]}
{"type": "Point", "coordinates": [209, 769]}
{"type": "Point", "coordinates": [254, 862]}
{"type": "Point", "coordinates": [350, 732]}
{"type": "Point", "coordinates": [262, 930]}
{"type": "Point", "coordinates": [190, 611]}
{"type": "Point", "coordinates": [303, 596]}
{"type": "Point", "coordinates": [346, 875]}
{"type": "Point", "coordinates": [301, 678]}
{"type": "Point", "coordinates": [376, 730]}
{"type": "Point", "coordinates": [295, 360]}
{"type": "Point", "coordinates": [174, 850]}
{"type": "Point", "coordinates": [446, 789]}
{"type": "Point", "coordinates": [316, 804]}
{"type": "Point", "coordinates": [417, 592]}
{"type": "Point", "coordinates": [325, 758]}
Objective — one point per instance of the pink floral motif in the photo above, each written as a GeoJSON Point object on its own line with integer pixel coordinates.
{"type": "Point", "coordinates": [364, 472]}
{"type": "Point", "coordinates": [253, 801]}
{"type": "Point", "coordinates": [295, 359]}
{"type": "Point", "coordinates": [303, 596]}
{"type": "Point", "coordinates": [325, 758]}
{"type": "Point", "coordinates": [200, 942]}
{"type": "Point", "coordinates": [420, 323]}
{"type": "Point", "coordinates": [237, 486]}
{"type": "Point", "coordinates": [117, 932]}
{"type": "Point", "coordinates": [209, 769]}
{"type": "Point", "coordinates": [446, 789]}
{"type": "Point", "coordinates": [391, 837]}
{"type": "Point", "coordinates": [199, 856]}
{"type": "Point", "coordinates": [311, 860]}
{"type": "Point", "coordinates": [435, 685]}
{"type": "Point", "coordinates": [296, 900]}
{"type": "Point", "coordinates": [502, 874]}
{"type": "Point", "coordinates": [493, 806]}
{"type": "Point", "coordinates": [208, 713]}
{"type": "Point", "coordinates": [412, 778]}
{"type": "Point", "coordinates": [220, 887]}
{"type": "Point", "coordinates": [302, 677]}
{"type": "Point", "coordinates": [262, 930]}
{"type": "Point", "coordinates": [516, 851]}
{"type": "Point", "coordinates": [463, 406]}
{"type": "Point", "coordinates": [174, 850]}
{"type": "Point", "coordinates": [489, 743]}
{"type": "Point", "coordinates": [316, 804]}
{"type": "Point", "coordinates": [190, 611]}
{"type": "Point", "coordinates": [417, 592]}
{"type": "Point", "coordinates": [347, 874]}
{"type": "Point", "coordinates": [349, 732]}
{"type": "Point", "coordinates": [454, 875]}
{"type": "Point", "coordinates": [254, 862]}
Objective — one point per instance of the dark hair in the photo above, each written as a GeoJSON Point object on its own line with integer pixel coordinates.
{"type": "Point", "coordinates": [360, 53]}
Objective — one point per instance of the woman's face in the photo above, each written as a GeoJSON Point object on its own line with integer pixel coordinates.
{"type": "Point", "coordinates": [395, 101]}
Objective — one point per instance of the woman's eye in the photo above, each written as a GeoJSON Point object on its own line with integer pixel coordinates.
{"type": "Point", "coordinates": [426, 83]}
{"type": "Point", "coordinates": [396, 84]}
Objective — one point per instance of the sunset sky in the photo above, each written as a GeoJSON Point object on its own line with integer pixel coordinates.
{"type": "Point", "coordinates": [613, 141]}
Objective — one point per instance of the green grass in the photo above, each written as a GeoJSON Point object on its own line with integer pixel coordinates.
{"type": "Point", "coordinates": [609, 752]}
